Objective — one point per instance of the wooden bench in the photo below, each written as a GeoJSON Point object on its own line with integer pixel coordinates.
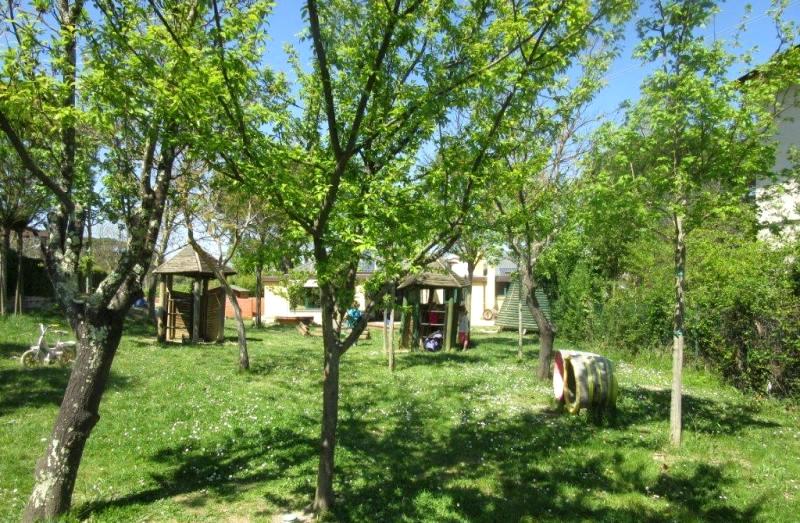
{"type": "Point", "coordinates": [304, 330]}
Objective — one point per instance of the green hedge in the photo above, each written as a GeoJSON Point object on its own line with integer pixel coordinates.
{"type": "Point", "coordinates": [743, 307]}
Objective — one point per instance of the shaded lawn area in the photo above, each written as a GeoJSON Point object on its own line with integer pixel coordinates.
{"type": "Point", "coordinates": [447, 437]}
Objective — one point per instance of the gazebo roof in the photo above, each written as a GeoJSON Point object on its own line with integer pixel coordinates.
{"type": "Point", "coordinates": [188, 262]}
{"type": "Point", "coordinates": [438, 276]}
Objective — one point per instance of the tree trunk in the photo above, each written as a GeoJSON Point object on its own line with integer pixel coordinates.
{"type": "Point", "coordinates": [259, 295]}
{"type": "Point", "coordinates": [98, 339]}
{"type": "Point", "coordinates": [197, 303]}
{"type": "Point", "coordinates": [90, 266]}
{"type": "Point", "coordinates": [323, 499]}
{"type": "Point", "coordinates": [520, 295]}
{"type": "Point", "coordinates": [547, 331]}
{"type": "Point", "coordinates": [18, 289]}
{"type": "Point", "coordinates": [168, 220]}
{"type": "Point", "coordinates": [547, 336]}
{"type": "Point", "coordinates": [152, 292]}
{"type": "Point", "coordinates": [386, 332]}
{"type": "Point", "coordinates": [678, 341]}
{"type": "Point", "coordinates": [468, 297]}
{"type": "Point", "coordinates": [391, 338]}
{"type": "Point", "coordinates": [161, 319]}
{"type": "Point", "coordinates": [5, 246]}
{"type": "Point", "coordinates": [244, 357]}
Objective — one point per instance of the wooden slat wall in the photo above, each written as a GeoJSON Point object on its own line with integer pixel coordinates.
{"type": "Point", "coordinates": [509, 315]}
{"type": "Point", "coordinates": [179, 316]}
{"type": "Point", "coordinates": [215, 299]}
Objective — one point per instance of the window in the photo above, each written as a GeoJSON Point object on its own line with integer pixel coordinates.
{"type": "Point", "coordinates": [501, 289]}
{"type": "Point", "coordinates": [309, 298]}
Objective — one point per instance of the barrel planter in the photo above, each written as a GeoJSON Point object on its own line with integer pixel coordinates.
{"type": "Point", "coordinates": [584, 380]}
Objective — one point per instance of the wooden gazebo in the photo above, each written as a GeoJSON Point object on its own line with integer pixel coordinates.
{"type": "Point", "coordinates": [432, 298]}
{"type": "Point", "coordinates": [196, 315]}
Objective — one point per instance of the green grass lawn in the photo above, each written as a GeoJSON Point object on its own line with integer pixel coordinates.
{"type": "Point", "coordinates": [447, 437]}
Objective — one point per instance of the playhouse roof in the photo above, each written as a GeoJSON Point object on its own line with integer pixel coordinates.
{"type": "Point", "coordinates": [437, 276]}
{"type": "Point", "coordinates": [188, 262]}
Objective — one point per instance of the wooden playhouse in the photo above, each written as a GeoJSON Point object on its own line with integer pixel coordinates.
{"type": "Point", "coordinates": [432, 300]}
{"type": "Point", "coordinates": [195, 315]}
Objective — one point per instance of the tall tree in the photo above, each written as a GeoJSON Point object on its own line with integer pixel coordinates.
{"type": "Point", "coordinates": [222, 218]}
{"type": "Point", "coordinates": [539, 162]}
{"type": "Point", "coordinates": [690, 147]}
{"type": "Point", "coordinates": [344, 167]}
{"type": "Point", "coordinates": [169, 223]}
{"type": "Point", "coordinates": [57, 111]}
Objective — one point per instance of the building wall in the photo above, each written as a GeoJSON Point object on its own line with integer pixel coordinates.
{"type": "Point", "coordinates": [483, 297]}
{"type": "Point", "coordinates": [246, 305]}
{"type": "Point", "coordinates": [275, 304]}
{"type": "Point", "coordinates": [778, 200]}
{"type": "Point", "coordinates": [483, 290]}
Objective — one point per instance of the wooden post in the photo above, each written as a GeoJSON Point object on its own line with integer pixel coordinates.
{"type": "Point", "coordinates": [162, 313]}
{"type": "Point", "coordinates": [448, 337]}
{"type": "Point", "coordinates": [196, 304]}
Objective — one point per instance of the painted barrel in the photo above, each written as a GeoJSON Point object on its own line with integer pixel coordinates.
{"type": "Point", "coordinates": [584, 380]}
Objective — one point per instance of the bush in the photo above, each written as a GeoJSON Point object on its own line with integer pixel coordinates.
{"type": "Point", "coordinates": [743, 305]}
{"type": "Point", "coordinates": [744, 312]}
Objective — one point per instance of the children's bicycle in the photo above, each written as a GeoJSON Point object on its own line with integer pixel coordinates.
{"type": "Point", "coordinates": [42, 353]}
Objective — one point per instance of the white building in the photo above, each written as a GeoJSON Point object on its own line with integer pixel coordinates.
{"type": "Point", "coordinates": [779, 199]}
{"type": "Point", "coordinates": [489, 286]}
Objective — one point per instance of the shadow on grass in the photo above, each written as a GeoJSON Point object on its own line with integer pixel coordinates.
{"type": "Point", "coordinates": [34, 387]}
{"type": "Point", "coordinates": [638, 405]}
{"type": "Point", "coordinates": [233, 464]}
{"type": "Point", "coordinates": [529, 466]}
{"type": "Point", "coordinates": [12, 350]}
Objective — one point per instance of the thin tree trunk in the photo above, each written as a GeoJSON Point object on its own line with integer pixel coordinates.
{"type": "Point", "coordinates": [18, 289]}
{"type": "Point", "coordinates": [391, 338]}
{"type": "Point", "coordinates": [56, 471]}
{"type": "Point", "coordinates": [168, 225]}
{"type": "Point", "coordinates": [152, 292]}
{"type": "Point", "coordinates": [386, 332]}
{"type": "Point", "coordinates": [678, 341]}
{"type": "Point", "coordinates": [5, 247]}
{"type": "Point", "coordinates": [259, 295]}
{"type": "Point", "coordinates": [547, 331]}
{"type": "Point", "coordinates": [89, 268]}
{"type": "Point", "coordinates": [520, 294]}
{"type": "Point", "coordinates": [244, 357]}
{"type": "Point", "coordinates": [547, 336]}
{"type": "Point", "coordinates": [468, 297]}
{"type": "Point", "coordinates": [323, 499]}
{"type": "Point", "coordinates": [197, 302]}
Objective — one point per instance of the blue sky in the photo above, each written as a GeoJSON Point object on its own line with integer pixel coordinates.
{"type": "Point", "coordinates": [625, 75]}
